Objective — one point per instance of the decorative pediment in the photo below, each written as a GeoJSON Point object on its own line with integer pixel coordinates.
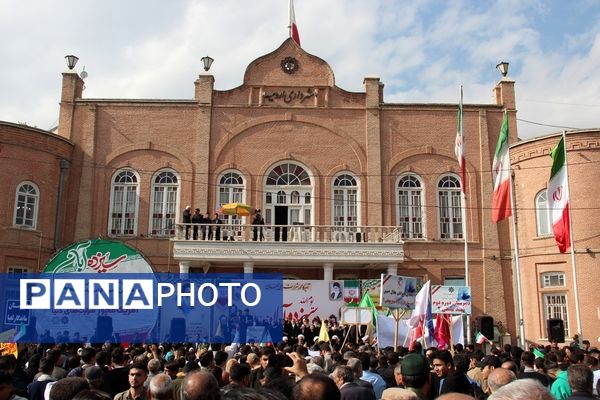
{"type": "Point", "coordinates": [289, 66]}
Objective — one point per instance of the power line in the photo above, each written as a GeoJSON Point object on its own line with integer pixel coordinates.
{"type": "Point", "coordinates": [541, 124]}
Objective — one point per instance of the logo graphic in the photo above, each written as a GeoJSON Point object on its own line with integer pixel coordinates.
{"type": "Point", "coordinates": [558, 193]}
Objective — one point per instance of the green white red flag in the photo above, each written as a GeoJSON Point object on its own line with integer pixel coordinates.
{"type": "Point", "coordinates": [501, 204]}
{"type": "Point", "coordinates": [480, 339]}
{"type": "Point", "coordinates": [558, 197]}
{"type": "Point", "coordinates": [459, 145]}
{"type": "Point", "coordinates": [293, 27]}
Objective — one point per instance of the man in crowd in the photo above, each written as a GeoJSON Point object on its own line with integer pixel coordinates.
{"type": "Point", "coordinates": [137, 376]}
{"type": "Point", "coordinates": [447, 379]}
{"type": "Point", "coordinates": [343, 377]}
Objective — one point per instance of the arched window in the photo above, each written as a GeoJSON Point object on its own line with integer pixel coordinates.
{"type": "Point", "coordinates": [124, 203]}
{"type": "Point", "coordinates": [345, 200]}
{"type": "Point", "coordinates": [288, 174]}
{"type": "Point", "coordinates": [450, 207]}
{"type": "Point", "coordinates": [26, 205]}
{"type": "Point", "coordinates": [410, 207]}
{"type": "Point", "coordinates": [287, 195]}
{"type": "Point", "coordinates": [165, 192]}
{"type": "Point", "coordinates": [542, 214]}
{"type": "Point", "coordinates": [231, 190]}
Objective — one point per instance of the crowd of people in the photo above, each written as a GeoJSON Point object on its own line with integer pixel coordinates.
{"type": "Point", "coordinates": [297, 368]}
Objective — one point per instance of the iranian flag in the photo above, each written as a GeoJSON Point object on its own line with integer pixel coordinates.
{"type": "Point", "coordinates": [293, 27]}
{"type": "Point", "coordinates": [459, 145]}
{"type": "Point", "coordinates": [558, 197]}
{"type": "Point", "coordinates": [501, 207]}
{"type": "Point", "coordinates": [480, 339]}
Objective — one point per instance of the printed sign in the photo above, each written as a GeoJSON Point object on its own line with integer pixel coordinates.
{"type": "Point", "coordinates": [309, 299]}
{"type": "Point", "coordinates": [352, 292]}
{"type": "Point", "coordinates": [398, 291]}
{"type": "Point", "coordinates": [450, 299]}
{"type": "Point", "coordinates": [357, 315]}
{"type": "Point", "coordinates": [14, 315]}
{"type": "Point", "coordinates": [98, 255]}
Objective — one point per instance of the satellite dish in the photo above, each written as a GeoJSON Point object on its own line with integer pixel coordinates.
{"type": "Point", "coordinates": [83, 74]}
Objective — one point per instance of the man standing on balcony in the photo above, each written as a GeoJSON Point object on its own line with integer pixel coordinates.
{"type": "Point", "coordinates": [187, 219]}
{"type": "Point", "coordinates": [258, 220]}
{"type": "Point", "coordinates": [196, 220]}
{"type": "Point", "coordinates": [216, 222]}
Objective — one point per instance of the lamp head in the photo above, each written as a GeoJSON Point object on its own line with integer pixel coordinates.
{"type": "Point", "coordinates": [503, 68]}
{"type": "Point", "coordinates": [207, 62]}
{"type": "Point", "coordinates": [71, 61]}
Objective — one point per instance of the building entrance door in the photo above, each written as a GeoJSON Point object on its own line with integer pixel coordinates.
{"type": "Point", "coordinates": [281, 218]}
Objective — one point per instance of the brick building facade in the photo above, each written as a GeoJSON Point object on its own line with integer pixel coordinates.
{"type": "Point", "coordinates": [350, 186]}
{"type": "Point", "coordinates": [547, 275]}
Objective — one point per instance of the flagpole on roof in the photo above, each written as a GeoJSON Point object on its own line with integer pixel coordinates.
{"type": "Point", "coordinates": [290, 18]}
{"type": "Point", "coordinates": [573, 266]}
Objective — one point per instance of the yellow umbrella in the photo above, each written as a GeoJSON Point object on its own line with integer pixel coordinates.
{"type": "Point", "coordinates": [241, 209]}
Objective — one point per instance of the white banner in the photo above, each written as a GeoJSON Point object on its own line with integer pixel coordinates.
{"type": "Point", "coordinates": [385, 332]}
{"type": "Point", "coordinates": [311, 299]}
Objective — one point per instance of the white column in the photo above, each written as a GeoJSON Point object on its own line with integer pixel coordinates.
{"type": "Point", "coordinates": [184, 267]}
{"type": "Point", "coordinates": [328, 271]}
{"type": "Point", "coordinates": [392, 269]}
{"type": "Point", "coordinates": [248, 267]}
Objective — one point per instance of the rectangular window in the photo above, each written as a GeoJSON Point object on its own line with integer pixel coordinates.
{"type": "Point", "coordinates": [454, 281]}
{"type": "Point", "coordinates": [18, 270]}
{"type": "Point", "coordinates": [555, 306]}
{"type": "Point", "coordinates": [450, 214]}
{"type": "Point", "coordinates": [553, 279]}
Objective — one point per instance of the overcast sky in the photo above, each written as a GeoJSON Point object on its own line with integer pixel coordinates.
{"type": "Point", "coordinates": [422, 50]}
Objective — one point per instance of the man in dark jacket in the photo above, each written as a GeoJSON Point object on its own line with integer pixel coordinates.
{"type": "Point", "coordinates": [187, 219]}
{"type": "Point", "coordinates": [447, 379]}
{"type": "Point", "coordinates": [350, 390]}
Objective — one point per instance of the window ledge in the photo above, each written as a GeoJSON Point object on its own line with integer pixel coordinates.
{"type": "Point", "coordinates": [543, 237]}
{"type": "Point", "coordinates": [25, 228]}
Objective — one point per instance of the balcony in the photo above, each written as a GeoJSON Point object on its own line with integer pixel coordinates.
{"type": "Point", "coordinates": [302, 245]}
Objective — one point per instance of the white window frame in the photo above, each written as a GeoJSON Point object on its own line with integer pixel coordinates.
{"type": "Point", "coordinates": [113, 185]}
{"type": "Point", "coordinates": [348, 205]}
{"type": "Point", "coordinates": [453, 193]}
{"type": "Point", "coordinates": [279, 186]}
{"type": "Point", "coordinates": [559, 310]}
{"type": "Point", "coordinates": [542, 214]}
{"type": "Point", "coordinates": [36, 204]}
{"type": "Point", "coordinates": [13, 270]}
{"type": "Point", "coordinates": [234, 193]}
{"type": "Point", "coordinates": [546, 277]}
{"type": "Point", "coordinates": [168, 218]}
{"type": "Point", "coordinates": [412, 192]}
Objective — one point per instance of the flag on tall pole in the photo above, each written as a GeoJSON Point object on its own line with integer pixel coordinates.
{"type": "Point", "coordinates": [293, 27]}
{"type": "Point", "coordinates": [421, 315]}
{"type": "Point", "coordinates": [459, 145]}
{"type": "Point", "coordinates": [501, 207]}
{"type": "Point", "coordinates": [558, 197]}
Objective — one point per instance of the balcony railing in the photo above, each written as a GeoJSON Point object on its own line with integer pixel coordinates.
{"type": "Point", "coordinates": [288, 233]}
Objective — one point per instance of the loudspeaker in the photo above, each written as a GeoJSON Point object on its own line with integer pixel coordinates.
{"type": "Point", "coordinates": [177, 332]}
{"type": "Point", "coordinates": [485, 325]}
{"type": "Point", "coordinates": [556, 330]}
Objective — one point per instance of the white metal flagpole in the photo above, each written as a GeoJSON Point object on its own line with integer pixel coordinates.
{"type": "Point", "coordinates": [517, 264]}
{"type": "Point", "coordinates": [290, 18]}
{"type": "Point", "coordinates": [464, 204]}
{"type": "Point", "coordinates": [573, 266]}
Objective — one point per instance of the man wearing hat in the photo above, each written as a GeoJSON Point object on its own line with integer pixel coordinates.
{"type": "Point", "coordinates": [416, 375]}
